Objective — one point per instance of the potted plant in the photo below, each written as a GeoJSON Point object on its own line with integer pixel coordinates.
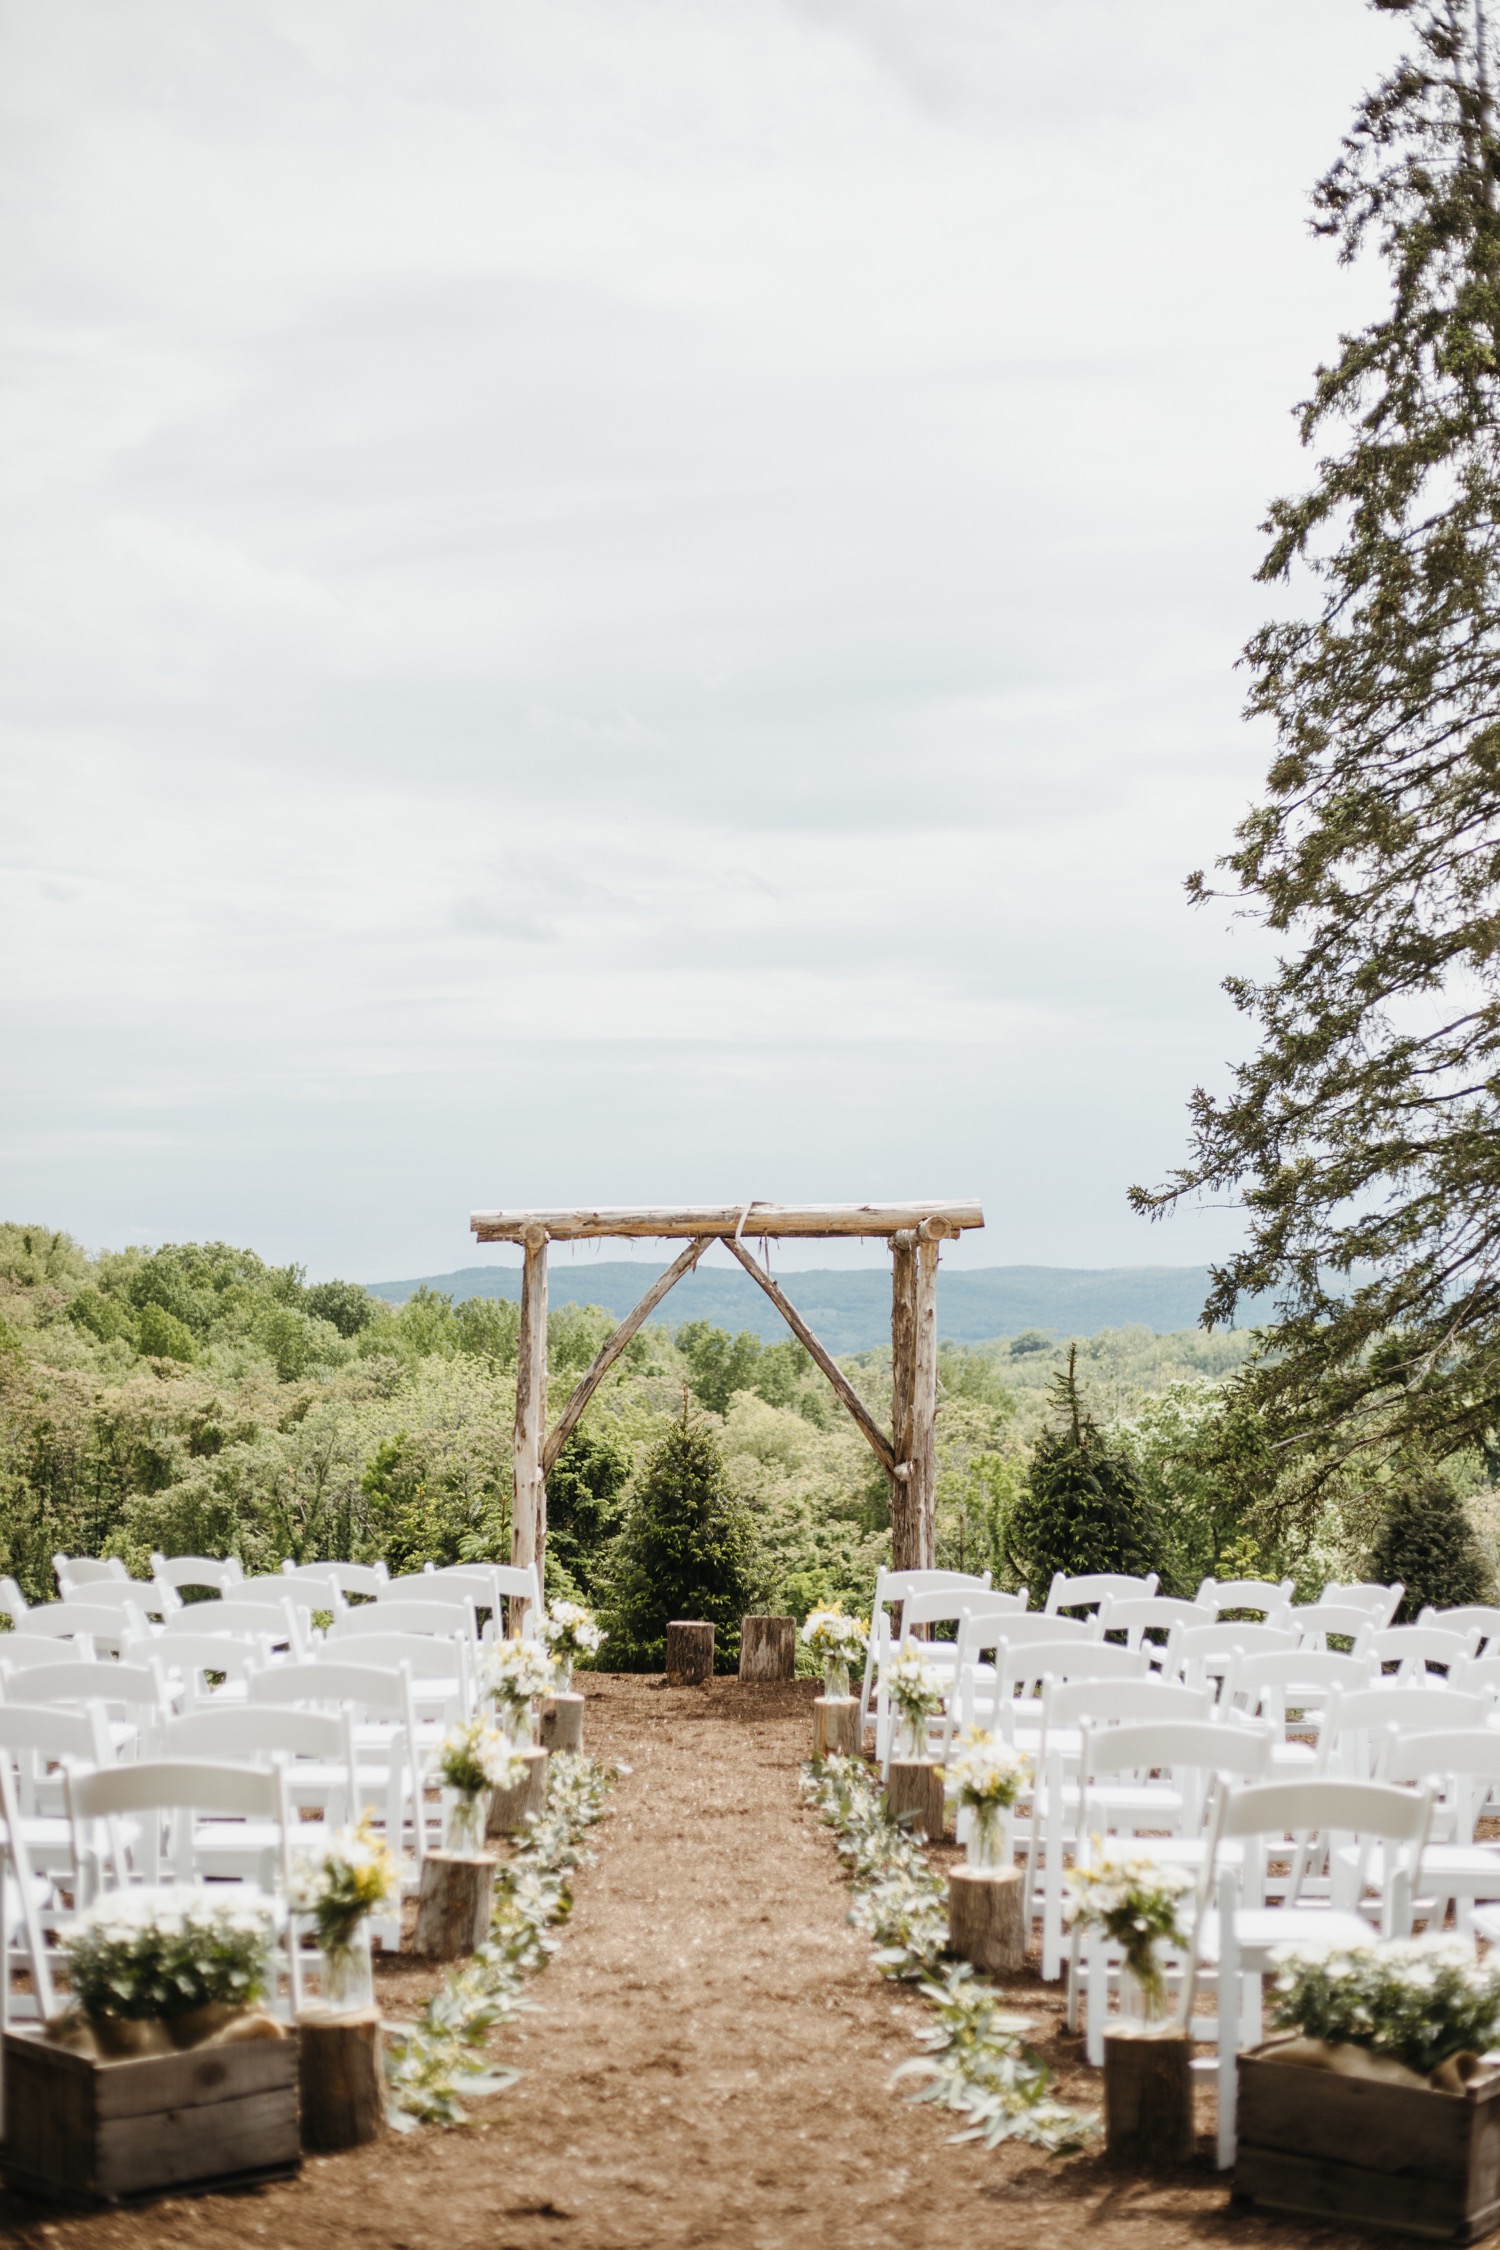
{"type": "Point", "coordinates": [837, 1642]}
{"type": "Point", "coordinates": [355, 1876]}
{"type": "Point", "coordinates": [1134, 1901]}
{"type": "Point", "coordinates": [166, 2071]}
{"type": "Point", "coordinates": [569, 1631]}
{"type": "Point", "coordinates": [516, 1673]}
{"type": "Point", "coordinates": [473, 1758]}
{"type": "Point", "coordinates": [1373, 2104]}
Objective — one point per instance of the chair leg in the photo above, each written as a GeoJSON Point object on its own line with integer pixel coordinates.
{"type": "Point", "coordinates": [1229, 2048]}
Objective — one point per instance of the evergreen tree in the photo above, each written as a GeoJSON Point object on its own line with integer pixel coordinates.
{"type": "Point", "coordinates": [584, 1499]}
{"type": "Point", "coordinates": [1081, 1509]}
{"type": "Point", "coordinates": [1429, 1543]}
{"type": "Point", "coordinates": [688, 1548]}
{"type": "Point", "coordinates": [1363, 1135]}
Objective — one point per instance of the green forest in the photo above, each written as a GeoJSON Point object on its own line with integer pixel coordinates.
{"type": "Point", "coordinates": [193, 1398]}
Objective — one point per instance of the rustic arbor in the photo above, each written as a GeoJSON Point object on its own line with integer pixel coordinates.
{"type": "Point", "coordinates": [915, 1233]}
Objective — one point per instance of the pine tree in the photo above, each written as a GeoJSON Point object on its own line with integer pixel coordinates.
{"type": "Point", "coordinates": [1429, 1543]}
{"type": "Point", "coordinates": [688, 1548]}
{"type": "Point", "coordinates": [1363, 1135]}
{"type": "Point", "coordinates": [1081, 1509]}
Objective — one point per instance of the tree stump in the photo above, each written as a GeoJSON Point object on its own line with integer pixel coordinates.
{"type": "Point", "coordinates": [690, 1653]}
{"type": "Point", "coordinates": [453, 1904]}
{"type": "Point", "coordinates": [768, 1648]}
{"type": "Point", "coordinates": [511, 1808]}
{"type": "Point", "coordinates": [836, 1726]}
{"type": "Point", "coordinates": [914, 1786]}
{"type": "Point", "coordinates": [343, 2085]}
{"type": "Point", "coordinates": [986, 1918]}
{"type": "Point", "coordinates": [1148, 2096]}
{"type": "Point", "coordinates": [562, 1723]}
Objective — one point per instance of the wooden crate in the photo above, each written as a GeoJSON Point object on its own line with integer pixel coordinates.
{"type": "Point", "coordinates": [109, 2130]}
{"type": "Point", "coordinates": [1404, 2157]}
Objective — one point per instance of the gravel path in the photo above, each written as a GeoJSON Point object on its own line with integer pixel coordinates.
{"type": "Point", "coordinates": [707, 2060]}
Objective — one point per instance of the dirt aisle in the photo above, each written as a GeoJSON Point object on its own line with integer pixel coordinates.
{"type": "Point", "coordinates": [707, 2063]}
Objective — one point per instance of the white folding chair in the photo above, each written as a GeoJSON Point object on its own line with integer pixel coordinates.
{"type": "Point", "coordinates": [37, 1741]}
{"type": "Point", "coordinates": [20, 1654]}
{"type": "Point", "coordinates": [1382, 1602]}
{"type": "Point", "coordinates": [1416, 1649]}
{"type": "Point", "coordinates": [198, 1571]}
{"type": "Point", "coordinates": [306, 1593]}
{"type": "Point", "coordinates": [1203, 1654]}
{"type": "Point", "coordinates": [1067, 1705]}
{"type": "Point", "coordinates": [1237, 1935]}
{"type": "Point", "coordinates": [316, 1751]}
{"type": "Point", "coordinates": [134, 1696]}
{"type": "Point", "coordinates": [982, 1627]}
{"type": "Point", "coordinates": [389, 1775]}
{"type": "Point", "coordinates": [1464, 1763]}
{"type": "Point", "coordinates": [1317, 1621]}
{"type": "Point", "coordinates": [443, 1614]}
{"type": "Point", "coordinates": [1192, 1754]}
{"type": "Point", "coordinates": [147, 1595]}
{"type": "Point", "coordinates": [251, 1621]}
{"type": "Point", "coordinates": [205, 1668]}
{"type": "Point", "coordinates": [1221, 1594]}
{"type": "Point", "coordinates": [83, 1570]}
{"type": "Point", "coordinates": [27, 1920]}
{"type": "Point", "coordinates": [1098, 1587]}
{"type": "Point", "coordinates": [351, 1578]}
{"type": "Point", "coordinates": [1471, 1617]}
{"type": "Point", "coordinates": [92, 1625]}
{"type": "Point", "coordinates": [170, 1806]}
{"type": "Point", "coordinates": [1291, 1688]}
{"type": "Point", "coordinates": [1154, 1614]}
{"type": "Point", "coordinates": [892, 1589]}
{"type": "Point", "coordinates": [1359, 1725]}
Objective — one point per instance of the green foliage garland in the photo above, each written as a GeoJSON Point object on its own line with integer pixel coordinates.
{"type": "Point", "coordinates": [440, 2055]}
{"type": "Point", "coordinates": [978, 2063]}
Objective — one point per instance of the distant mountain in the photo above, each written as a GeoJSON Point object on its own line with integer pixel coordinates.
{"type": "Point", "coordinates": [851, 1309]}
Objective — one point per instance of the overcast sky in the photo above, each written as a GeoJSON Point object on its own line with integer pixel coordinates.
{"type": "Point", "coordinates": [636, 600]}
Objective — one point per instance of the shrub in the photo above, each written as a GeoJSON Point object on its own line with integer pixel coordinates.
{"type": "Point", "coordinates": [688, 1549]}
{"type": "Point", "coordinates": [1429, 1543]}
{"type": "Point", "coordinates": [1081, 1509]}
{"type": "Point", "coordinates": [584, 1505]}
{"type": "Point", "coordinates": [163, 1335]}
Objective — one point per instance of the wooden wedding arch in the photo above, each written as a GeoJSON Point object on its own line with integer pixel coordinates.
{"type": "Point", "coordinates": [914, 1233]}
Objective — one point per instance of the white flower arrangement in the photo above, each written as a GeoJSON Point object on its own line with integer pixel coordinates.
{"type": "Point", "coordinates": [355, 1875]}
{"type": "Point", "coordinates": [986, 1774]}
{"type": "Point", "coordinates": [570, 1632]}
{"type": "Point", "coordinates": [1417, 2001]}
{"type": "Point", "coordinates": [915, 1692]}
{"type": "Point", "coordinates": [837, 1642]}
{"type": "Point", "coordinates": [1134, 1900]}
{"type": "Point", "coordinates": [517, 1670]}
{"type": "Point", "coordinates": [474, 1756]}
{"type": "Point", "coordinates": [165, 1949]}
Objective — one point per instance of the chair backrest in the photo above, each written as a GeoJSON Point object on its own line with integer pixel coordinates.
{"type": "Point", "coordinates": [92, 1622]}
{"type": "Point", "coordinates": [1381, 1601]}
{"type": "Point", "coordinates": [251, 1620]}
{"type": "Point", "coordinates": [1219, 1594]}
{"type": "Point", "coordinates": [19, 1652]}
{"type": "Point", "coordinates": [179, 1786]}
{"type": "Point", "coordinates": [147, 1595]}
{"type": "Point", "coordinates": [1168, 1745]}
{"type": "Point", "coordinates": [82, 1570]}
{"type": "Point", "coordinates": [1030, 1664]}
{"type": "Point", "coordinates": [1414, 1647]}
{"type": "Point", "coordinates": [130, 1688]}
{"type": "Point", "coordinates": [1109, 1703]}
{"type": "Point", "coordinates": [349, 1577]}
{"type": "Point", "coordinates": [13, 1602]}
{"type": "Point", "coordinates": [429, 1656]}
{"type": "Point", "coordinates": [1151, 1613]}
{"type": "Point", "coordinates": [305, 1593]}
{"type": "Point", "coordinates": [1018, 1628]}
{"type": "Point", "coordinates": [1360, 1725]}
{"type": "Point", "coordinates": [1098, 1586]}
{"type": "Point", "coordinates": [1480, 1675]}
{"type": "Point", "coordinates": [1327, 1805]}
{"type": "Point", "coordinates": [1482, 1618]}
{"type": "Point", "coordinates": [32, 1730]}
{"type": "Point", "coordinates": [1473, 1752]}
{"type": "Point", "coordinates": [258, 1734]}
{"type": "Point", "coordinates": [198, 1570]}
{"type": "Point", "coordinates": [372, 1690]}
{"type": "Point", "coordinates": [947, 1605]}
{"type": "Point", "coordinates": [1192, 1644]}
{"type": "Point", "coordinates": [1317, 1620]}
{"type": "Point", "coordinates": [1310, 1672]}
{"type": "Point", "coordinates": [190, 1657]}
{"type": "Point", "coordinates": [441, 1619]}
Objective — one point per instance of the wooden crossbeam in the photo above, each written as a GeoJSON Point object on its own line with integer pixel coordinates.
{"type": "Point", "coordinates": [869, 1428]}
{"type": "Point", "coordinates": [572, 1413]}
{"type": "Point", "coordinates": [728, 1221]}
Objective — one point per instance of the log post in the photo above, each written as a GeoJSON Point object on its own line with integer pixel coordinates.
{"type": "Point", "coordinates": [528, 1523]}
{"type": "Point", "coordinates": [768, 1648]}
{"type": "Point", "coordinates": [690, 1653]}
{"type": "Point", "coordinates": [510, 1809]}
{"type": "Point", "coordinates": [1148, 2096]}
{"type": "Point", "coordinates": [562, 1723]}
{"type": "Point", "coordinates": [343, 2085]}
{"type": "Point", "coordinates": [903, 1377]}
{"type": "Point", "coordinates": [923, 1455]}
{"type": "Point", "coordinates": [836, 1727]}
{"type": "Point", "coordinates": [914, 1786]}
{"type": "Point", "coordinates": [454, 1904]}
{"type": "Point", "coordinates": [986, 1924]}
